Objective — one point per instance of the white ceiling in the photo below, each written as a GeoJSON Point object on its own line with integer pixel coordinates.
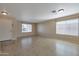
{"type": "Point", "coordinates": [37, 12]}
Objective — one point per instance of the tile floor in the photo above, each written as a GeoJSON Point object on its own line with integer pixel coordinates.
{"type": "Point", "coordinates": [38, 46]}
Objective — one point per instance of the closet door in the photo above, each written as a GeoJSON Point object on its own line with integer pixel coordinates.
{"type": "Point", "coordinates": [5, 29]}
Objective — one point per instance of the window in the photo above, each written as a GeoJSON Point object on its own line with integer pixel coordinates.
{"type": "Point", "coordinates": [26, 27]}
{"type": "Point", "coordinates": [68, 27]}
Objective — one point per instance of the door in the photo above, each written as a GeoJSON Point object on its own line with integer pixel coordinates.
{"type": "Point", "coordinates": [5, 29]}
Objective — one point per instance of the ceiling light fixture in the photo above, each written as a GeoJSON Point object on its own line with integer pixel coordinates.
{"type": "Point", "coordinates": [54, 11]}
{"type": "Point", "coordinates": [4, 12]}
{"type": "Point", "coordinates": [61, 10]}
{"type": "Point", "coordinates": [58, 11]}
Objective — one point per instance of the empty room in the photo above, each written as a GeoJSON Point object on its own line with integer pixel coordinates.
{"type": "Point", "coordinates": [39, 29]}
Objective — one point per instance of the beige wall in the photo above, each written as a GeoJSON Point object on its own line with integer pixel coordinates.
{"type": "Point", "coordinates": [48, 28]}
{"type": "Point", "coordinates": [16, 30]}
{"type": "Point", "coordinates": [12, 19]}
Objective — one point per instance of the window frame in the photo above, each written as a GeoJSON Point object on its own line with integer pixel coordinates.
{"type": "Point", "coordinates": [65, 22]}
{"type": "Point", "coordinates": [28, 29]}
